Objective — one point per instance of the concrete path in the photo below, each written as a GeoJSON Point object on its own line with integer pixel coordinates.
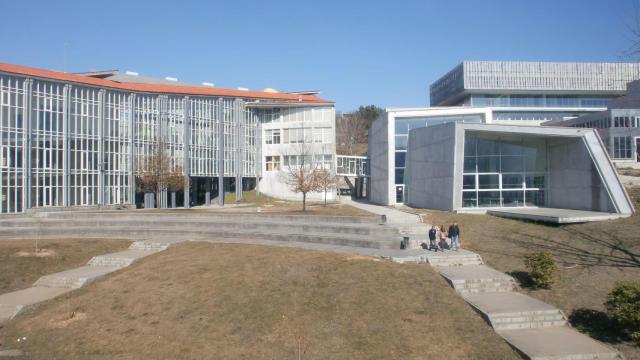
{"type": "Point", "coordinates": [394, 216]}
{"type": "Point", "coordinates": [555, 343]}
{"type": "Point", "coordinates": [410, 225]}
{"type": "Point", "coordinates": [539, 331]}
{"type": "Point", "coordinates": [13, 303]}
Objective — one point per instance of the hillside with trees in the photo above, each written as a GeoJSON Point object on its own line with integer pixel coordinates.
{"type": "Point", "coordinates": [352, 130]}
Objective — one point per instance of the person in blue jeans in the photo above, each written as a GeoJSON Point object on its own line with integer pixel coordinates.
{"type": "Point", "coordinates": [454, 234]}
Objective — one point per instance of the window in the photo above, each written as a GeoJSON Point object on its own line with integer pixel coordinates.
{"type": "Point", "coordinates": [272, 136]}
{"type": "Point", "coordinates": [297, 135]}
{"type": "Point", "coordinates": [321, 135]}
{"type": "Point", "coordinates": [272, 163]}
{"type": "Point", "coordinates": [507, 172]}
{"type": "Point", "coordinates": [400, 158]}
{"type": "Point", "coordinates": [622, 147]}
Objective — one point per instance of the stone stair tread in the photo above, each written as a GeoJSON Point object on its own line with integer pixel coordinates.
{"type": "Point", "coordinates": [557, 343]}
{"type": "Point", "coordinates": [510, 303]}
{"type": "Point", "coordinates": [471, 273]}
{"type": "Point", "coordinates": [193, 215]}
{"type": "Point", "coordinates": [231, 221]}
{"type": "Point", "coordinates": [213, 231]}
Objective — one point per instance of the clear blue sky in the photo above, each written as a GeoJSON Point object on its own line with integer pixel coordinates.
{"type": "Point", "coordinates": [356, 52]}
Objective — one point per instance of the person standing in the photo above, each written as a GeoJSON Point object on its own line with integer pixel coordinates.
{"type": "Point", "coordinates": [432, 238]}
{"type": "Point", "coordinates": [443, 238]}
{"type": "Point", "coordinates": [454, 234]}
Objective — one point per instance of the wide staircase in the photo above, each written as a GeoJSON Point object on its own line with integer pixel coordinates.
{"type": "Point", "coordinates": [353, 231]}
{"type": "Point", "coordinates": [539, 331]}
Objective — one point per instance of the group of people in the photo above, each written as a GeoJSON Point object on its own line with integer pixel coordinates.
{"type": "Point", "coordinates": [438, 236]}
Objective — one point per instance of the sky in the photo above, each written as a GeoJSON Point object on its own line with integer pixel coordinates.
{"type": "Point", "coordinates": [355, 52]}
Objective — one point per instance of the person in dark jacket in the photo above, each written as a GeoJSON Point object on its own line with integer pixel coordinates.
{"type": "Point", "coordinates": [432, 238]}
{"type": "Point", "coordinates": [454, 234]}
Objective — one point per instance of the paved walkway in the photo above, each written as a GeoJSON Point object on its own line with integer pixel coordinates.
{"type": "Point", "coordinates": [394, 216]}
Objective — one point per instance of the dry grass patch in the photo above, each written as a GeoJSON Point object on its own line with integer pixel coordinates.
{"type": "Point", "coordinates": [226, 301]}
{"type": "Point", "coordinates": [21, 265]}
{"type": "Point", "coordinates": [629, 172]}
{"type": "Point", "coordinates": [592, 258]}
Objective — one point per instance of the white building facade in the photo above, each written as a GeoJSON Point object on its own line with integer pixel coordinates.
{"type": "Point", "coordinates": [80, 140]}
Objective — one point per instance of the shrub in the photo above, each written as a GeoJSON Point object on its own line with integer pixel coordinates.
{"type": "Point", "coordinates": [623, 305]}
{"type": "Point", "coordinates": [542, 269]}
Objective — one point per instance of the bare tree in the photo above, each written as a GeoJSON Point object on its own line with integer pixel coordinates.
{"type": "Point", "coordinates": [351, 129]}
{"type": "Point", "coordinates": [326, 181]}
{"type": "Point", "coordinates": [158, 173]}
{"type": "Point", "coordinates": [175, 181]}
{"type": "Point", "coordinates": [300, 173]}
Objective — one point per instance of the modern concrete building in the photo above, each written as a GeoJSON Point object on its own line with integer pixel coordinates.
{"type": "Point", "coordinates": [388, 139]}
{"type": "Point", "coordinates": [81, 139]}
{"type": "Point", "coordinates": [418, 156]}
{"type": "Point", "coordinates": [528, 93]}
{"type": "Point", "coordinates": [618, 126]}
{"type": "Point", "coordinates": [463, 166]}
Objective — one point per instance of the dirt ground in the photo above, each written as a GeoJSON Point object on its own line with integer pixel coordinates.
{"type": "Point", "coordinates": [592, 257]}
{"type": "Point", "coordinates": [21, 265]}
{"type": "Point", "coordinates": [225, 301]}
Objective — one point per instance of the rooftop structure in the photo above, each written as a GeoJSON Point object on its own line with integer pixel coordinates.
{"type": "Point", "coordinates": [528, 93]}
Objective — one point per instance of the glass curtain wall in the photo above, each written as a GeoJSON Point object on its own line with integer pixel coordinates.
{"type": "Point", "coordinates": [402, 128]}
{"type": "Point", "coordinates": [504, 172]}
{"type": "Point", "coordinates": [11, 137]}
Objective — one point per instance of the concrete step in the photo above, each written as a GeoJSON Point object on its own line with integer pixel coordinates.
{"type": "Point", "coordinates": [455, 261]}
{"type": "Point", "coordinates": [473, 279]}
{"type": "Point", "coordinates": [120, 259]}
{"type": "Point", "coordinates": [512, 310]}
{"type": "Point", "coordinates": [366, 241]}
{"type": "Point", "coordinates": [557, 343]}
{"type": "Point", "coordinates": [146, 245]}
{"type": "Point", "coordinates": [75, 278]}
{"type": "Point", "coordinates": [499, 288]}
{"type": "Point", "coordinates": [219, 224]}
{"type": "Point", "coordinates": [408, 259]}
{"type": "Point", "coordinates": [211, 215]}
{"type": "Point", "coordinates": [453, 258]}
{"type": "Point", "coordinates": [529, 324]}
{"type": "Point", "coordinates": [13, 303]}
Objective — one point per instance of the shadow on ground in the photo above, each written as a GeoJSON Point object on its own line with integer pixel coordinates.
{"type": "Point", "coordinates": [523, 278]}
{"type": "Point", "coordinates": [598, 325]}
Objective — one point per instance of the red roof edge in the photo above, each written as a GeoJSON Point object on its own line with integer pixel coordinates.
{"type": "Point", "coordinates": [154, 88]}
